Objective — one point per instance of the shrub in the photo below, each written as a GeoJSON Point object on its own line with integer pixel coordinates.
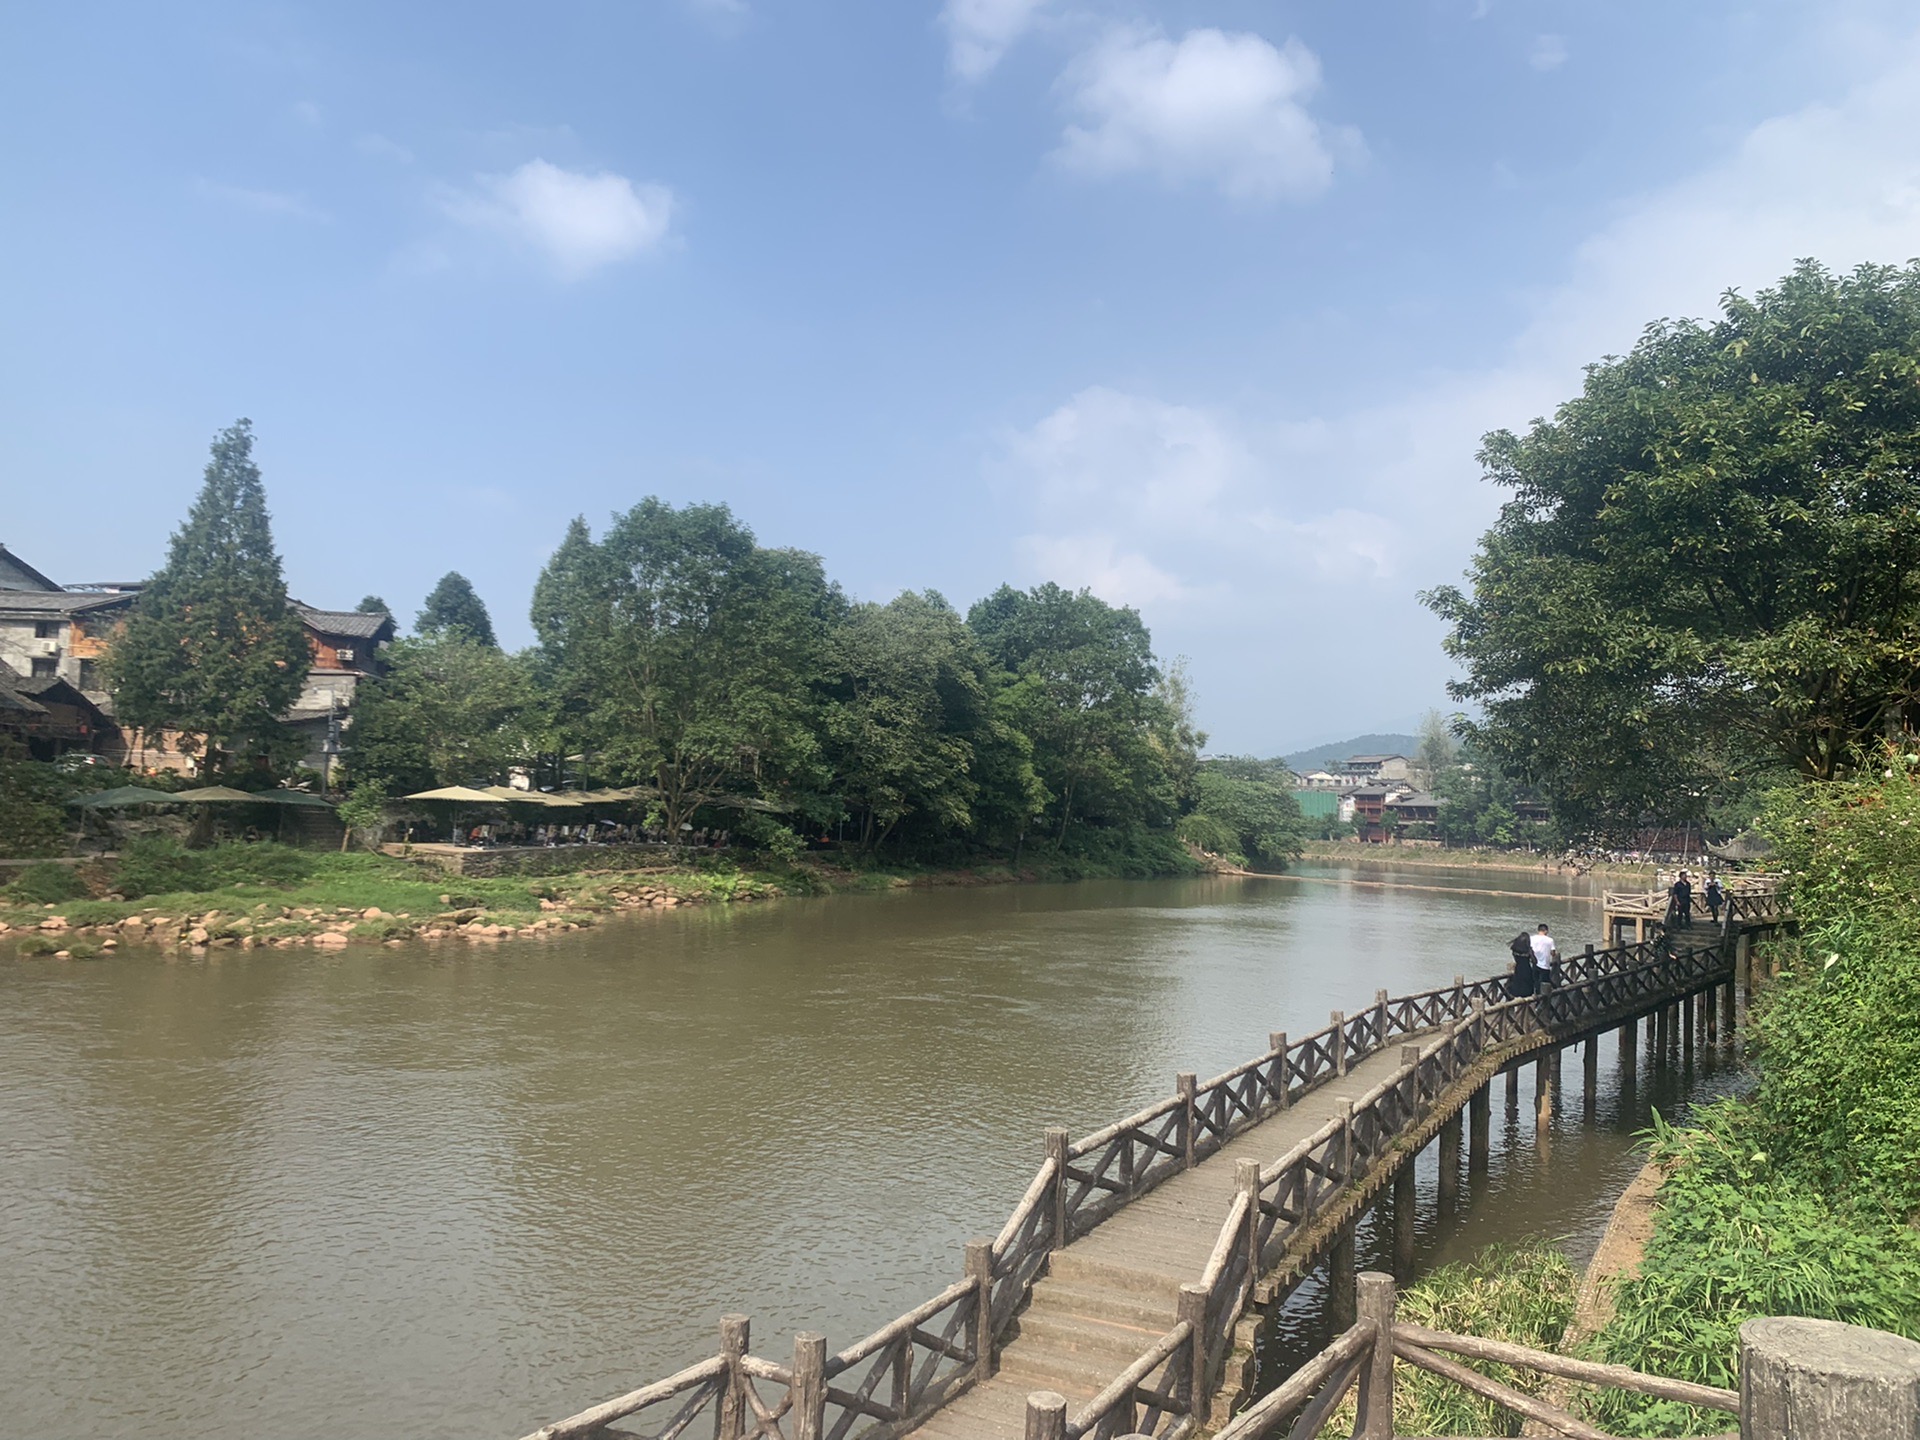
{"type": "Point", "coordinates": [40, 945]}
{"type": "Point", "coordinates": [46, 884]}
{"type": "Point", "coordinates": [33, 817]}
{"type": "Point", "coordinates": [157, 865]}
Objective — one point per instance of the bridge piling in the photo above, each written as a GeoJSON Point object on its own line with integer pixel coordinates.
{"type": "Point", "coordinates": [1686, 1030]}
{"type": "Point", "coordinates": [1478, 1125]}
{"type": "Point", "coordinates": [1450, 1164]}
{"type": "Point", "coordinates": [1629, 1046]}
{"type": "Point", "coordinates": [1726, 1010]}
{"type": "Point", "coordinates": [1403, 1218]}
{"type": "Point", "coordinates": [1542, 1099]}
{"type": "Point", "coordinates": [1340, 1276]}
{"type": "Point", "coordinates": [1513, 1090]}
{"type": "Point", "coordinates": [1590, 1077]}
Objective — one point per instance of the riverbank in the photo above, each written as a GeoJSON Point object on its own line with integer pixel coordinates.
{"type": "Point", "coordinates": [331, 900]}
{"type": "Point", "coordinates": [1407, 857]}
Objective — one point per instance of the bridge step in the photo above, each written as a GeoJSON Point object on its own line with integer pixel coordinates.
{"type": "Point", "coordinates": [1099, 1339]}
{"type": "Point", "coordinates": [1084, 1268]}
{"type": "Point", "coordinates": [1046, 1365]}
{"type": "Point", "coordinates": [1055, 1295]}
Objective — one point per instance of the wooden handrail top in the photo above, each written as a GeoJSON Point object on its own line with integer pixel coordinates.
{"type": "Point", "coordinates": [1298, 1388]}
{"type": "Point", "coordinates": [1089, 1143]}
{"type": "Point", "coordinates": [894, 1329]}
{"type": "Point", "coordinates": [1247, 1067]}
{"type": "Point", "coordinates": [1616, 1377]}
{"type": "Point", "coordinates": [766, 1370]}
{"type": "Point", "coordinates": [1300, 1151]}
{"type": "Point", "coordinates": [1122, 1384]}
{"type": "Point", "coordinates": [1505, 1395]}
{"type": "Point", "coordinates": [621, 1406]}
{"type": "Point", "coordinates": [1035, 1193]}
{"type": "Point", "coordinates": [1223, 1246]}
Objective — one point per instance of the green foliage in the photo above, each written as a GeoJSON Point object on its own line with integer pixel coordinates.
{"type": "Point", "coordinates": [1738, 1239]}
{"type": "Point", "coordinates": [1710, 556]}
{"type": "Point", "coordinates": [1082, 688]}
{"type": "Point", "coordinates": [373, 605]}
{"type": "Point", "coordinates": [453, 609]}
{"type": "Point", "coordinates": [1521, 1293]}
{"type": "Point", "coordinates": [159, 865]}
{"type": "Point", "coordinates": [33, 815]}
{"type": "Point", "coordinates": [212, 649]}
{"type": "Point", "coordinates": [362, 812]}
{"type": "Point", "coordinates": [1244, 810]}
{"type": "Point", "coordinates": [449, 710]}
{"type": "Point", "coordinates": [688, 655]}
{"type": "Point", "coordinates": [45, 884]}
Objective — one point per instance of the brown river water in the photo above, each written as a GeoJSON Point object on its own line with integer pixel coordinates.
{"type": "Point", "coordinates": [464, 1190]}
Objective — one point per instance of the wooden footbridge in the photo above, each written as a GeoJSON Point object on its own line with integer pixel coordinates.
{"type": "Point", "coordinates": [1127, 1281]}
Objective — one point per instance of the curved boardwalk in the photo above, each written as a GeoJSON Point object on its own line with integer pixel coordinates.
{"type": "Point", "coordinates": [1112, 1293]}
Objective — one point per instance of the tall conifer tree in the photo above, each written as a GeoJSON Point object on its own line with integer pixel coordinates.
{"type": "Point", "coordinates": [212, 649]}
{"type": "Point", "coordinates": [455, 608]}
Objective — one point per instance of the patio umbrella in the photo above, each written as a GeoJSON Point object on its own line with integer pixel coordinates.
{"type": "Point", "coordinates": [123, 796]}
{"type": "Point", "coordinates": [215, 795]}
{"type": "Point", "coordinates": [295, 797]}
{"type": "Point", "coordinates": [451, 795]}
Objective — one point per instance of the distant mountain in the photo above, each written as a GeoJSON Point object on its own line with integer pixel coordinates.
{"type": "Point", "coordinates": [1303, 761]}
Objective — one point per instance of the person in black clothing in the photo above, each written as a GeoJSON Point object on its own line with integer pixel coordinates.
{"type": "Point", "coordinates": [1715, 897]}
{"type": "Point", "coordinates": [1525, 977]}
{"type": "Point", "coordinates": [1680, 911]}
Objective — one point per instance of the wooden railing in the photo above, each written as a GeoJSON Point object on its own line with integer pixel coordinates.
{"type": "Point", "coordinates": [911, 1365]}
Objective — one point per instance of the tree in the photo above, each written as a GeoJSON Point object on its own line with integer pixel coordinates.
{"type": "Point", "coordinates": [908, 697]}
{"type": "Point", "coordinates": [1436, 750]}
{"type": "Point", "coordinates": [373, 605]}
{"type": "Point", "coordinates": [1244, 810]}
{"type": "Point", "coordinates": [211, 648]}
{"type": "Point", "coordinates": [1082, 677]}
{"type": "Point", "coordinates": [1711, 557]}
{"type": "Point", "coordinates": [689, 656]}
{"type": "Point", "coordinates": [447, 711]}
{"type": "Point", "coordinates": [453, 608]}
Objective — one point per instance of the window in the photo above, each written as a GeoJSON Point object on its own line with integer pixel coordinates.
{"type": "Point", "coordinates": [345, 652]}
{"type": "Point", "coordinates": [46, 629]}
{"type": "Point", "coordinates": [90, 675]}
{"type": "Point", "coordinates": [44, 665]}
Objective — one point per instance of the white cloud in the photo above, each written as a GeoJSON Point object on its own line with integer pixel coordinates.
{"type": "Point", "coordinates": [1548, 52]}
{"type": "Point", "coordinates": [1095, 562]}
{"type": "Point", "coordinates": [979, 32]}
{"type": "Point", "coordinates": [1228, 110]}
{"type": "Point", "coordinates": [261, 202]}
{"type": "Point", "coordinates": [579, 221]}
{"type": "Point", "coordinates": [381, 148]}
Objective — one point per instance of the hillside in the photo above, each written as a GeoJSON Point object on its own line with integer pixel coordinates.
{"type": "Point", "coordinates": [1317, 758]}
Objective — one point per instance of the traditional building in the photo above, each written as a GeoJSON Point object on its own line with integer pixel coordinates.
{"type": "Point", "coordinates": [346, 647]}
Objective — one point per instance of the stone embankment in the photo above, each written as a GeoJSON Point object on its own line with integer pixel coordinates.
{"type": "Point", "coordinates": [284, 927]}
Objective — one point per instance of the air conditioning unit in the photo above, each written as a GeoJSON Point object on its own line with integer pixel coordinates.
{"type": "Point", "coordinates": [44, 647]}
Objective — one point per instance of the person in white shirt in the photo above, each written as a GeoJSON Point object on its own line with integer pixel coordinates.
{"type": "Point", "coordinates": [1546, 956]}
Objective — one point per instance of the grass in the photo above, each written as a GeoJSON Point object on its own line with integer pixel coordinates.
{"type": "Point", "coordinates": [1522, 1293]}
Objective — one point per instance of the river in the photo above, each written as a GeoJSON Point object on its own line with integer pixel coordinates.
{"type": "Point", "coordinates": [460, 1191]}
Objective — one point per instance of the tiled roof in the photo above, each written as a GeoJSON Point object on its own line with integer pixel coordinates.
{"type": "Point", "coordinates": [346, 622]}
{"type": "Point", "coordinates": [11, 700]}
{"type": "Point", "coordinates": [57, 602]}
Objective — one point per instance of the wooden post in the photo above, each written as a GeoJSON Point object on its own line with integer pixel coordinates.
{"type": "Point", "coordinates": [1450, 1162]}
{"type": "Point", "coordinates": [902, 1377]}
{"type": "Point", "coordinates": [1186, 1083]}
{"type": "Point", "coordinates": [1653, 1035]}
{"type": "Point", "coordinates": [980, 1271]}
{"type": "Point", "coordinates": [1542, 1099]}
{"type": "Point", "coordinates": [1659, 1037]}
{"type": "Point", "coordinates": [1403, 1216]}
{"type": "Point", "coordinates": [1478, 1125]}
{"type": "Point", "coordinates": [1057, 1152]}
{"type": "Point", "coordinates": [1374, 1306]}
{"type": "Point", "coordinates": [1726, 1010]}
{"type": "Point", "coordinates": [1380, 1015]}
{"type": "Point", "coordinates": [1743, 963]}
{"type": "Point", "coordinates": [1589, 958]}
{"type": "Point", "coordinates": [1459, 995]}
{"type": "Point", "coordinates": [1277, 1042]}
{"type": "Point", "coordinates": [1193, 1310]}
{"type": "Point", "coordinates": [1513, 1088]}
{"type": "Point", "coordinates": [1814, 1379]}
{"type": "Point", "coordinates": [735, 1335]}
{"type": "Point", "coordinates": [1046, 1415]}
{"type": "Point", "coordinates": [1343, 1166]}
{"type": "Point", "coordinates": [1629, 1046]}
{"type": "Point", "coordinates": [1246, 1179]}
{"type": "Point", "coordinates": [1339, 1045]}
{"type": "Point", "coordinates": [1590, 1064]}
{"type": "Point", "coordinates": [809, 1385]}
{"type": "Point", "coordinates": [1340, 1291]}
{"type": "Point", "coordinates": [1686, 1028]}
{"type": "Point", "coordinates": [1710, 1014]}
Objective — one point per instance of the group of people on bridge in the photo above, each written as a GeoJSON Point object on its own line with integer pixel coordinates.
{"type": "Point", "coordinates": [1680, 900]}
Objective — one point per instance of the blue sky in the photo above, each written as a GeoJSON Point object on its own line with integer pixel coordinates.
{"type": "Point", "coordinates": [1202, 305]}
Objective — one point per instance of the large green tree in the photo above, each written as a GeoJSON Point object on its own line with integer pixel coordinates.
{"type": "Point", "coordinates": [688, 657]}
{"type": "Point", "coordinates": [1081, 686]}
{"type": "Point", "coordinates": [1711, 557]}
{"type": "Point", "coordinates": [1244, 810]}
{"type": "Point", "coordinates": [908, 702]}
{"type": "Point", "coordinates": [448, 710]}
{"type": "Point", "coordinates": [211, 649]}
{"type": "Point", "coordinates": [454, 608]}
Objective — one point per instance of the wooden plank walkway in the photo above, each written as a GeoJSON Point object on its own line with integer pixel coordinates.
{"type": "Point", "coordinates": [1110, 1294]}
